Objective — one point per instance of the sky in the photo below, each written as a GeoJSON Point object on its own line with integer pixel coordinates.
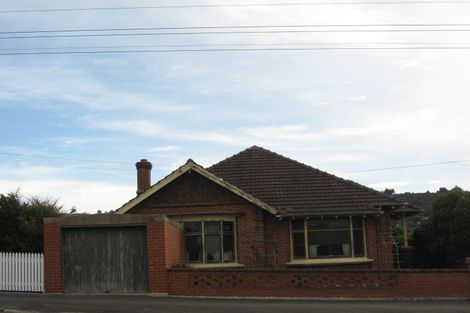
{"type": "Point", "coordinates": [72, 126]}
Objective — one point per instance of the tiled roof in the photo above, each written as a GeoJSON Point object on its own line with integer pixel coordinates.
{"type": "Point", "coordinates": [294, 188]}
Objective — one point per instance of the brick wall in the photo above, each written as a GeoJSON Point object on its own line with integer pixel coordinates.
{"type": "Point", "coordinates": [277, 241]}
{"type": "Point", "coordinates": [310, 283]}
{"type": "Point", "coordinates": [387, 246]}
{"type": "Point", "coordinates": [52, 259]}
{"type": "Point", "coordinates": [156, 247]}
{"type": "Point", "coordinates": [164, 250]}
{"type": "Point", "coordinates": [175, 245]}
{"type": "Point", "coordinates": [379, 241]}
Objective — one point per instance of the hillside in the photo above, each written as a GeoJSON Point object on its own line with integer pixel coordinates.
{"type": "Point", "coordinates": [424, 200]}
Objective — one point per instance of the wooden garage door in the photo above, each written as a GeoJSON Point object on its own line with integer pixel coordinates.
{"type": "Point", "coordinates": [104, 259]}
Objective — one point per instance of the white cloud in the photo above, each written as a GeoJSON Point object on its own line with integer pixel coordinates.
{"type": "Point", "coordinates": [238, 136]}
{"type": "Point", "coordinates": [388, 184]}
{"type": "Point", "coordinates": [67, 86]}
{"type": "Point", "coordinates": [395, 130]}
{"type": "Point", "coordinates": [86, 196]}
{"type": "Point", "coordinates": [163, 149]}
{"type": "Point", "coordinates": [138, 127]}
{"type": "Point", "coordinates": [26, 171]}
{"type": "Point", "coordinates": [341, 158]}
{"type": "Point", "coordinates": [73, 141]}
{"type": "Point", "coordinates": [356, 98]}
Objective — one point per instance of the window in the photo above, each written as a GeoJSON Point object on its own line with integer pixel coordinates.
{"type": "Point", "coordinates": [209, 241]}
{"type": "Point", "coordinates": [327, 238]}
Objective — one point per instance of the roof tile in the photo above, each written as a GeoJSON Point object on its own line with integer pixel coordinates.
{"type": "Point", "coordinates": [293, 187]}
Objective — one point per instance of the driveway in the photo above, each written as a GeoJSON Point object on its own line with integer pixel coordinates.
{"type": "Point", "coordinates": [14, 302]}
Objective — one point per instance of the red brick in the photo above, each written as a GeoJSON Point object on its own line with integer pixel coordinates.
{"type": "Point", "coordinates": [321, 283]}
{"type": "Point", "coordinates": [52, 259]}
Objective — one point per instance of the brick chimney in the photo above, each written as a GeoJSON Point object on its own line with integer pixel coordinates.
{"type": "Point", "coordinates": [144, 169]}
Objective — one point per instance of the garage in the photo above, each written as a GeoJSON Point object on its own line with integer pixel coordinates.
{"type": "Point", "coordinates": [109, 259]}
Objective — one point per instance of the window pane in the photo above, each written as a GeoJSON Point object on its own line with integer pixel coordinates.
{"type": "Point", "coordinates": [336, 223]}
{"type": "Point", "coordinates": [299, 245]}
{"type": "Point", "coordinates": [227, 227]}
{"type": "Point", "coordinates": [212, 246]}
{"type": "Point", "coordinates": [358, 243]}
{"type": "Point", "coordinates": [297, 225]}
{"type": "Point", "coordinates": [229, 254]}
{"type": "Point", "coordinates": [192, 228]}
{"type": "Point", "coordinates": [329, 243]}
{"type": "Point", "coordinates": [193, 248]}
{"type": "Point", "coordinates": [212, 228]}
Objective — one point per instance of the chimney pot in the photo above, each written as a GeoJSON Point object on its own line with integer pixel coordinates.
{"type": "Point", "coordinates": [144, 168]}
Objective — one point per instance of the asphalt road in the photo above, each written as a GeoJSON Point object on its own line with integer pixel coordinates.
{"type": "Point", "coordinates": [14, 302]}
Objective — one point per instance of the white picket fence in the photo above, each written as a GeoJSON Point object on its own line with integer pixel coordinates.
{"type": "Point", "coordinates": [22, 272]}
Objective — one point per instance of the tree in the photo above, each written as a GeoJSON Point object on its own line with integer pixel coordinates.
{"type": "Point", "coordinates": [21, 222]}
{"type": "Point", "coordinates": [443, 240]}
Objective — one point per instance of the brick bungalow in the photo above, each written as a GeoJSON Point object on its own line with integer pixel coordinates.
{"type": "Point", "coordinates": [256, 223]}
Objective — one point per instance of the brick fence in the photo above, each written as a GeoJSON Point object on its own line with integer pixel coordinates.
{"type": "Point", "coordinates": [316, 283]}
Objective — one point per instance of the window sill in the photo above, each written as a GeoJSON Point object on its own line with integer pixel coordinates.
{"type": "Point", "coordinates": [214, 265]}
{"type": "Point", "coordinates": [332, 261]}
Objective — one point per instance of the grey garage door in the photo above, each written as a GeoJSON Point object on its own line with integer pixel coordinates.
{"type": "Point", "coordinates": [104, 259]}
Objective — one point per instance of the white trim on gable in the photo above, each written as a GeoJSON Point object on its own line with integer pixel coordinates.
{"type": "Point", "coordinates": [192, 166]}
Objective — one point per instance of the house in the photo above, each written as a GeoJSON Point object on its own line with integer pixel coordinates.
{"type": "Point", "coordinates": [254, 211]}
{"type": "Point", "coordinates": [260, 209]}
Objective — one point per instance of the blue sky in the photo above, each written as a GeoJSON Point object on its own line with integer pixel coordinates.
{"type": "Point", "coordinates": [340, 111]}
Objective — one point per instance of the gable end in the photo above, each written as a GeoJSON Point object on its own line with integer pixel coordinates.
{"type": "Point", "coordinates": [190, 189]}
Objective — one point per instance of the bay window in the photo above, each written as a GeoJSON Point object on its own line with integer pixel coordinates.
{"type": "Point", "coordinates": [315, 238]}
{"type": "Point", "coordinates": [209, 241]}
